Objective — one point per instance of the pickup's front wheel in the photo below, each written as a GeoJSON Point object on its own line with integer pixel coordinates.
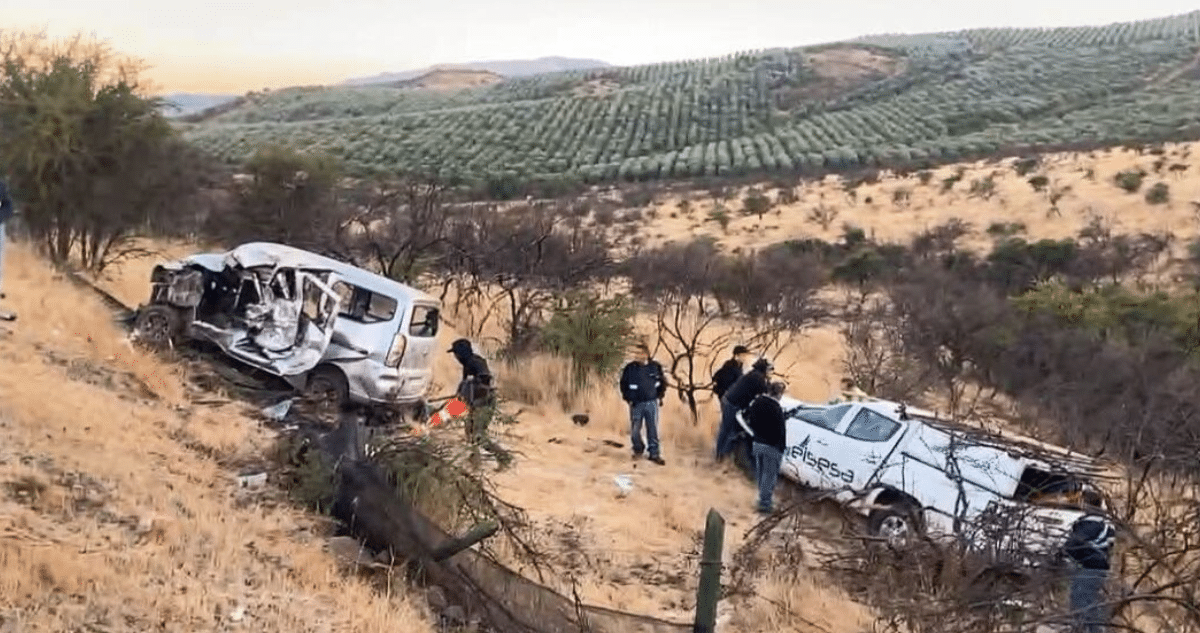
{"type": "Point", "coordinates": [897, 524]}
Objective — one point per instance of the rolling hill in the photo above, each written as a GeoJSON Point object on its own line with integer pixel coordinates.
{"type": "Point", "coordinates": [876, 101]}
{"type": "Point", "coordinates": [185, 103]}
{"type": "Point", "coordinates": [507, 68]}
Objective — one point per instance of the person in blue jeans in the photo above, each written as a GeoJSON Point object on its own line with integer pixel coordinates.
{"type": "Point", "coordinates": [643, 386]}
{"type": "Point", "coordinates": [769, 426]}
{"type": "Point", "coordinates": [1089, 547]}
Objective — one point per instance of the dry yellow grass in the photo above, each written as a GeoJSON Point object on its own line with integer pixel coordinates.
{"type": "Point", "coordinates": [114, 511]}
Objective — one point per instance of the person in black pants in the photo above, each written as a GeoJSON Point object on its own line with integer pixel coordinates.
{"type": "Point", "coordinates": [767, 423]}
{"type": "Point", "coordinates": [739, 396]}
{"type": "Point", "coordinates": [643, 387]}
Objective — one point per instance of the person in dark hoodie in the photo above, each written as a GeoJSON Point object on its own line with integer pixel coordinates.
{"type": "Point", "coordinates": [643, 386]}
{"type": "Point", "coordinates": [766, 421]}
{"type": "Point", "coordinates": [6, 213]}
{"type": "Point", "coordinates": [737, 399]}
{"type": "Point", "coordinates": [1089, 546]}
{"type": "Point", "coordinates": [476, 388]}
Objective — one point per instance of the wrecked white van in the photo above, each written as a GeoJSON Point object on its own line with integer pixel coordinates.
{"type": "Point", "coordinates": [326, 327]}
{"type": "Point", "coordinates": [911, 472]}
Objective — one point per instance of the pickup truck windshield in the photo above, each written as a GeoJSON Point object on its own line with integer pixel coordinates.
{"type": "Point", "coordinates": [824, 418]}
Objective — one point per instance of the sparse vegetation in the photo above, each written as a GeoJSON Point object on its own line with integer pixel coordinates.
{"type": "Point", "coordinates": [1160, 193]}
{"type": "Point", "coordinates": [1130, 180]}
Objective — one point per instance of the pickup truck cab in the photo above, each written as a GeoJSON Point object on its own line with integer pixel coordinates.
{"type": "Point", "coordinates": [911, 473]}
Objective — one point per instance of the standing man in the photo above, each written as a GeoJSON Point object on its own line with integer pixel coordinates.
{"type": "Point", "coordinates": [6, 214]}
{"type": "Point", "coordinates": [1089, 547]}
{"type": "Point", "coordinates": [643, 387]}
{"type": "Point", "coordinates": [736, 399]}
{"type": "Point", "coordinates": [767, 423]}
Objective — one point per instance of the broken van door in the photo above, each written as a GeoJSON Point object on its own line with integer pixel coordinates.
{"type": "Point", "coordinates": [298, 326]}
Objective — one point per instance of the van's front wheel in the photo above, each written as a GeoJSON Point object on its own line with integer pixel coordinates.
{"type": "Point", "coordinates": [897, 524]}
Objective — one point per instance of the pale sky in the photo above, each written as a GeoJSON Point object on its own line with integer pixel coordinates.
{"type": "Point", "coordinates": [241, 45]}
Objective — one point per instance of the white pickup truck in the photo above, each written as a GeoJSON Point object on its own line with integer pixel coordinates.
{"type": "Point", "coordinates": [911, 473]}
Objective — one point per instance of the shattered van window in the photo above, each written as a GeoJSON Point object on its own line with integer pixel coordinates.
{"type": "Point", "coordinates": [424, 322]}
{"type": "Point", "coordinates": [363, 305]}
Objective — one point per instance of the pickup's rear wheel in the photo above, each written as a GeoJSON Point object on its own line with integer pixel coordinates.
{"type": "Point", "coordinates": [896, 523]}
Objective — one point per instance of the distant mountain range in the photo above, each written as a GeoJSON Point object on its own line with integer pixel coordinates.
{"type": "Point", "coordinates": [193, 102]}
{"type": "Point", "coordinates": [507, 68]}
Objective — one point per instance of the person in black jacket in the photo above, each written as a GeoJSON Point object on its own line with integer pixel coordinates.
{"type": "Point", "coordinates": [475, 389]}
{"type": "Point", "coordinates": [1089, 546]}
{"type": "Point", "coordinates": [643, 387]}
{"type": "Point", "coordinates": [730, 371]}
{"type": "Point", "coordinates": [767, 423]}
{"type": "Point", "coordinates": [737, 398]}
{"type": "Point", "coordinates": [6, 213]}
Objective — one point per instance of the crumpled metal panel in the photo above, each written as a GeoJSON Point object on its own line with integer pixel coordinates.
{"type": "Point", "coordinates": [186, 289]}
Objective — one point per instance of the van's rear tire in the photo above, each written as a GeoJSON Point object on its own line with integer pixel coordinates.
{"type": "Point", "coordinates": [898, 523]}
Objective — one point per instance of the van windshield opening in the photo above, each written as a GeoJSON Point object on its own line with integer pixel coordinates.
{"type": "Point", "coordinates": [1037, 485]}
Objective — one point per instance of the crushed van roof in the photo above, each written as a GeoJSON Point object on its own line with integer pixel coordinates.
{"type": "Point", "coordinates": [254, 254]}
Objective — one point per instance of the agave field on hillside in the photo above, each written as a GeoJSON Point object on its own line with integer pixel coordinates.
{"type": "Point", "coordinates": [928, 98]}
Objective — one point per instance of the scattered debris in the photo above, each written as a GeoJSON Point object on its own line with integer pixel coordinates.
{"type": "Point", "coordinates": [614, 444]}
{"type": "Point", "coordinates": [624, 485]}
{"type": "Point", "coordinates": [278, 411]}
{"type": "Point", "coordinates": [256, 480]}
{"type": "Point", "coordinates": [555, 440]}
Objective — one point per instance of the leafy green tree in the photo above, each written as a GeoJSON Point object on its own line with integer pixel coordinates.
{"type": "Point", "coordinates": [286, 196]}
{"type": "Point", "coordinates": [91, 161]}
{"type": "Point", "coordinates": [593, 332]}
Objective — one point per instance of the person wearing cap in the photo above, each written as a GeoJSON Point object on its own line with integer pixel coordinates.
{"type": "Point", "coordinates": [1089, 547]}
{"type": "Point", "coordinates": [643, 386]}
{"type": "Point", "coordinates": [769, 428]}
{"type": "Point", "coordinates": [475, 389]}
{"type": "Point", "coordinates": [739, 396]}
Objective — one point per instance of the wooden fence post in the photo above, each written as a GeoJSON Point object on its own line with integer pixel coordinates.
{"type": "Point", "coordinates": [709, 592]}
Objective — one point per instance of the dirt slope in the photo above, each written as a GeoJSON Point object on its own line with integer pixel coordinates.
{"type": "Point", "coordinates": [119, 510]}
